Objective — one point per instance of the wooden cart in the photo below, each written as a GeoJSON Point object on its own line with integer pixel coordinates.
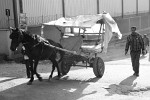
{"type": "Point", "coordinates": [80, 49]}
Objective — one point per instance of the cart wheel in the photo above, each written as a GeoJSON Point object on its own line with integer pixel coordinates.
{"type": "Point", "coordinates": [64, 67]}
{"type": "Point", "coordinates": [98, 67]}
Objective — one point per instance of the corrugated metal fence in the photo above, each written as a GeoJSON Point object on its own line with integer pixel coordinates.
{"type": "Point", "coordinates": [39, 11]}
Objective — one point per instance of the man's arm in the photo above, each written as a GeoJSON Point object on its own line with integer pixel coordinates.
{"type": "Point", "coordinates": [142, 44]}
{"type": "Point", "coordinates": [127, 45]}
{"type": "Point", "coordinates": [148, 41]}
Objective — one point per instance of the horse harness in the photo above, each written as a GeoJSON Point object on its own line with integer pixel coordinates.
{"type": "Point", "coordinates": [40, 40]}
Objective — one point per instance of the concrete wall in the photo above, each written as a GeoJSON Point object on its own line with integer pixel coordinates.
{"type": "Point", "coordinates": [141, 22]}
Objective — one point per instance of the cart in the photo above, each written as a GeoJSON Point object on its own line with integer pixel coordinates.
{"type": "Point", "coordinates": [80, 49]}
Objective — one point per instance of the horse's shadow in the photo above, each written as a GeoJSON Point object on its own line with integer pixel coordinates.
{"type": "Point", "coordinates": [73, 88]}
{"type": "Point", "coordinates": [65, 87]}
{"type": "Point", "coordinates": [123, 88]}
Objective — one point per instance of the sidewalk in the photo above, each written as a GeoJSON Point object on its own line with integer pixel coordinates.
{"type": "Point", "coordinates": [122, 75]}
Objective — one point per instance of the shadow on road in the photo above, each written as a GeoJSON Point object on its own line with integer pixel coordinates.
{"type": "Point", "coordinates": [124, 87]}
{"type": "Point", "coordinates": [128, 81]}
{"type": "Point", "coordinates": [63, 89]}
{"type": "Point", "coordinates": [142, 57]}
{"type": "Point", "coordinates": [8, 79]}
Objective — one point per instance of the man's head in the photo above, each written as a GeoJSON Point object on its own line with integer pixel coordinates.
{"type": "Point", "coordinates": [133, 28]}
{"type": "Point", "coordinates": [145, 35]}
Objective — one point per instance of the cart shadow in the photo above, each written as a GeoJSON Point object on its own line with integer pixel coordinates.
{"type": "Point", "coordinates": [94, 79]}
{"type": "Point", "coordinates": [61, 89]}
{"type": "Point", "coordinates": [123, 88]}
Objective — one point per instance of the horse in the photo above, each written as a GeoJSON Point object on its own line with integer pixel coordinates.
{"type": "Point", "coordinates": [37, 48]}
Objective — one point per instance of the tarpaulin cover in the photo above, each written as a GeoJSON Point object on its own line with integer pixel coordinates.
{"type": "Point", "coordinates": [87, 21]}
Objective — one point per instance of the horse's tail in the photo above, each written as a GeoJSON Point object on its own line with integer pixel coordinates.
{"type": "Point", "coordinates": [62, 53]}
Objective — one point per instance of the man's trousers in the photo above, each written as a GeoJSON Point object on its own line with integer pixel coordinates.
{"type": "Point", "coordinates": [135, 57]}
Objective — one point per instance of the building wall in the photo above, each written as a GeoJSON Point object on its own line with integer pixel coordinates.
{"type": "Point", "coordinates": [5, 42]}
{"type": "Point", "coordinates": [143, 5]}
{"type": "Point", "coordinates": [6, 4]}
{"type": "Point", "coordinates": [129, 7]}
{"type": "Point", "coordinates": [39, 11]}
{"type": "Point", "coordinates": [35, 8]}
{"type": "Point", "coordinates": [114, 7]}
{"type": "Point", "coordinates": [80, 7]}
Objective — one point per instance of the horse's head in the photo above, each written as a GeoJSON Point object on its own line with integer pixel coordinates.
{"type": "Point", "coordinates": [16, 36]}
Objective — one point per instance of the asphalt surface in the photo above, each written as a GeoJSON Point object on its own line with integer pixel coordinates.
{"type": "Point", "coordinates": [118, 83]}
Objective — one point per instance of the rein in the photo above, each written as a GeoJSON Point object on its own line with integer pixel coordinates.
{"type": "Point", "coordinates": [35, 46]}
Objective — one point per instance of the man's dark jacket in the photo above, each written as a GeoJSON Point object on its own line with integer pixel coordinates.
{"type": "Point", "coordinates": [135, 42]}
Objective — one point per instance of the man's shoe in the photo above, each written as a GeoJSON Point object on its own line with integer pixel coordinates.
{"type": "Point", "coordinates": [136, 74]}
{"type": "Point", "coordinates": [28, 77]}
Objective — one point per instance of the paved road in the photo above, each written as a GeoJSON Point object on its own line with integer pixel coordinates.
{"type": "Point", "coordinates": [81, 84]}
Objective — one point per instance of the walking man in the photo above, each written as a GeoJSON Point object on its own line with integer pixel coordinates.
{"type": "Point", "coordinates": [136, 44]}
{"type": "Point", "coordinates": [26, 61]}
{"type": "Point", "coordinates": [146, 43]}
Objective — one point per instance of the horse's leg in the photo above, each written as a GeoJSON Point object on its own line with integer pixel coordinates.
{"type": "Point", "coordinates": [32, 72]}
{"type": "Point", "coordinates": [35, 70]}
{"type": "Point", "coordinates": [28, 72]}
{"type": "Point", "coordinates": [56, 64]}
{"type": "Point", "coordinates": [53, 68]}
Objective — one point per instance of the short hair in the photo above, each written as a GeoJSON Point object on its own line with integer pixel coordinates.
{"type": "Point", "coordinates": [133, 27]}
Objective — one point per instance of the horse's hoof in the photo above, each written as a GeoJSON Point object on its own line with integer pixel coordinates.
{"type": "Point", "coordinates": [40, 79]}
{"type": "Point", "coordinates": [61, 75]}
{"type": "Point", "coordinates": [57, 78]}
{"type": "Point", "coordinates": [50, 79]}
{"type": "Point", "coordinates": [29, 83]}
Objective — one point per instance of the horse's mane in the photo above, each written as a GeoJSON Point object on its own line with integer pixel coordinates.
{"type": "Point", "coordinates": [27, 35]}
{"type": "Point", "coordinates": [33, 37]}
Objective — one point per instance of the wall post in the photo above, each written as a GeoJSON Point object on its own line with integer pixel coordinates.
{"type": "Point", "coordinates": [21, 6]}
{"type": "Point", "coordinates": [137, 2]}
{"type": "Point", "coordinates": [63, 8]}
{"type": "Point", "coordinates": [97, 6]}
{"type": "Point", "coordinates": [149, 6]}
{"type": "Point", "coordinates": [122, 13]}
{"type": "Point", "coordinates": [15, 13]}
